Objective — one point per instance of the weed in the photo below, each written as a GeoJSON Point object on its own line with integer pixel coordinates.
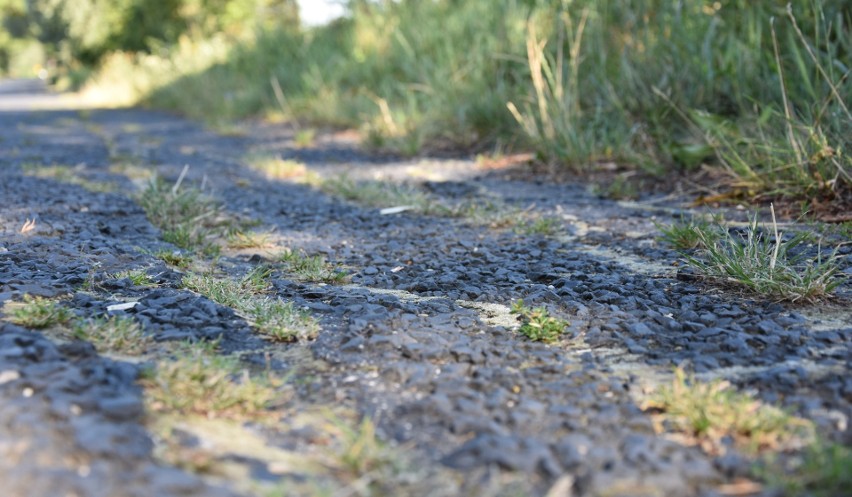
{"type": "Point", "coordinates": [360, 451]}
{"type": "Point", "coordinates": [713, 411]}
{"type": "Point", "coordinates": [768, 268]}
{"type": "Point", "coordinates": [283, 321]}
{"type": "Point", "coordinates": [37, 312]}
{"type": "Point", "coordinates": [199, 381]}
{"type": "Point", "coordinates": [188, 219]}
{"type": "Point", "coordinates": [138, 277]}
{"type": "Point", "coordinates": [544, 226]}
{"type": "Point", "coordinates": [271, 316]}
{"type": "Point", "coordinates": [312, 268]}
{"type": "Point", "coordinates": [537, 324]}
{"type": "Point", "coordinates": [174, 258]}
{"type": "Point", "coordinates": [114, 334]}
{"type": "Point", "coordinates": [257, 280]}
{"type": "Point", "coordinates": [692, 233]}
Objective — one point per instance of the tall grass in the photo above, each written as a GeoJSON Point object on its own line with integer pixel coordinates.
{"type": "Point", "coordinates": [758, 88]}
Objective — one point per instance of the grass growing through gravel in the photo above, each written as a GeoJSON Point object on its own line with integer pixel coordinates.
{"type": "Point", "coordinates": [694, 232]}
{"type": "Point", "coordinates": [271, 316]}
{"type": "Point", "coordinates": [174, 258]}
{"type": "Point", "coordinates": [715, 410]}
{"type": "Point", "coordinates": [313, 268]}
{"type": "Point", "coordinates": [198, 380]}
{"type": "Point", "coordinates": [138, 277]}
{"type": "Point", "coordinates": [39, 313]}
{"type": "Point", "coordinates": [187, 217]}
{"type": "Point", "coordinates": [767, 267]}
{"type": "Point", "coordinates": [537, 324]}
{"type": "Point", "coordinates": [113, 334]}
{"type": "Point", "coordinates": [544, 226]}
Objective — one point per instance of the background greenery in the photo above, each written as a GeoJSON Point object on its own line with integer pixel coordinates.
{"type": "Point", "coordinates": [758, 90]}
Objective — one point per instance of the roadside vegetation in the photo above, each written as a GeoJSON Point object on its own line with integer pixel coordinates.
{"type": "Point", "coordinates": [758, 258]}
{"type": "Point", "coordinates": [198, 380]}
{"type": "Point", "coordinates": [790, 454]}
{"type": "Point", "coordinates": [271, 316]}
{"type": "Point", "coordinates": [758, 90]}
{"type": "Point", "coordinates": [537, 324]}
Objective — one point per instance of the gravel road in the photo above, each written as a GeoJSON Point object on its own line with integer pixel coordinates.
{"type": "Point", "coordinates": [419, 340]}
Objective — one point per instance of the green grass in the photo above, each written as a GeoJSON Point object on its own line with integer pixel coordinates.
{"type": "Point", "coordinates": [763, 262]}
{"type": "Point", "coordinates": [537, 324]}
{"type": "Point", "coordinates": [270, 316]}
{"type": "Point", "coordinates": [138, 277]}
{"type": "Point", "coordinates": [187, 217]}
{"type": "Point", "coordinates": [114, 334]}
{"type": "Point", "coordinates": [752, 88]}
{"type": "Point", "coordinates": [692, 233]}
{"type": "Point", "coordinates": [312, 268]}
{"type": "Point", "coordinates": [39, 313]}
{"type": "Point", "coordinates": [174, 258]}
{"type": "Point", "coordinates": [714, 411]}
{"type": "Point", "coordinates": [197, 380]}
{"type": "Point", "coordinates": [544, 226]}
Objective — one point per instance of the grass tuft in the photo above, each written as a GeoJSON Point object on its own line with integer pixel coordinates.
{"type": "Point", "coordinates": [138, 277]}
{"type": "Point", "coordinates": [174, 258]}
{"type": "Point", "coordinates": [39, 313]}
{"type": "Point", "coordinates": [537, 324]}
{"type": "Point", "coordinates": [713, 411]}
{"type": "Point", "coordinates": [313, 268]}
{"type": "Point", "coordinates": [771, 268]}
{"type": "Point", "coordinates": [271, 316]}
{"type": "Point", "coordinates": [197, 380]}
{"type": "Point", "coordinates": [691, 233]}
{"type": "Point", "coordinates": [188, 218]}
{"type": "Point", "coordinates": [114, 334]}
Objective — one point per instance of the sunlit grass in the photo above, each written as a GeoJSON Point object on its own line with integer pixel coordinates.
{"type": "Point", "coordinates": [116, 334]}
{"type": "Point", "coordinates": [763, 262]}
{"type": "Point", "coordinates": [38, 312]}
{"type": "Point", "coordinates": [269, 315]}
{"type": "Point", "coordinates": [199, 380]}
{"type": "Point", "coordinates": [713, 411]}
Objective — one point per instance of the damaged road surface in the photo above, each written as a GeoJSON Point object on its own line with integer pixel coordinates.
{"type": "Point", "coordinates": [266, 322]}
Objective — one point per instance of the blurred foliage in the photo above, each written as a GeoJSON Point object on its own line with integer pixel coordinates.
{"type": "Point", "coordinates": [79, 33]}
